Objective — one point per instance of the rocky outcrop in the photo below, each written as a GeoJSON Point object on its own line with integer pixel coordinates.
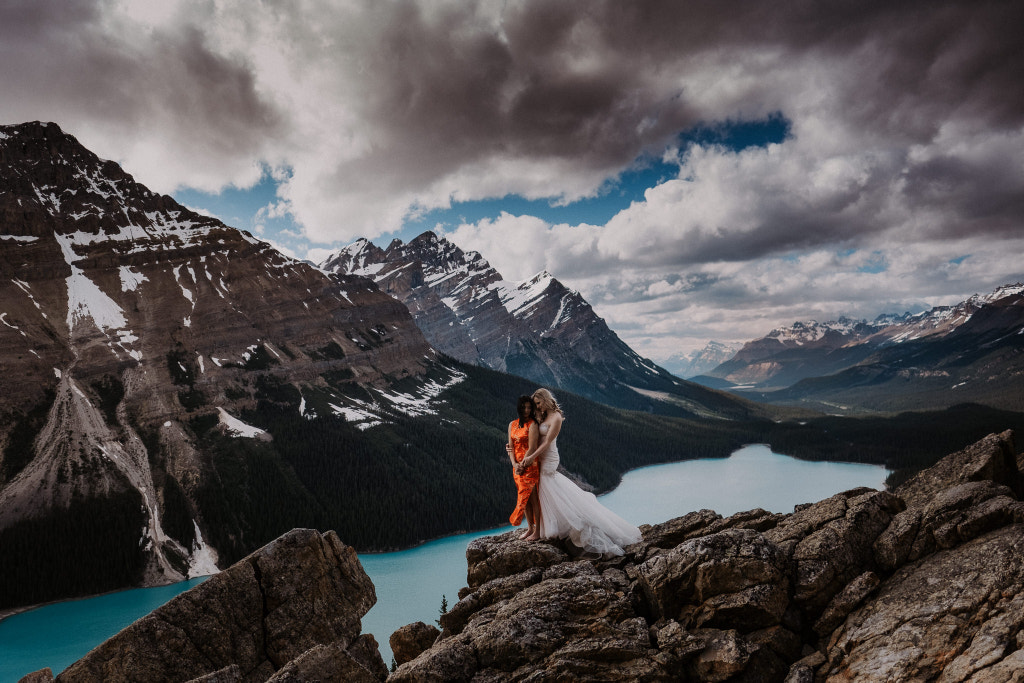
{"type": "Point", "coordinates": [923, 583]}
{"type": "Point", "coordinates": [866, 585]}
{"type": "Point", "coordinates": [291, 611]}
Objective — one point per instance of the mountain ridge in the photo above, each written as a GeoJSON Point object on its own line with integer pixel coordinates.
{"type": "Point", "coordinates": [538, 328]}
{"type": "Point", "coordinates": [856, 362]}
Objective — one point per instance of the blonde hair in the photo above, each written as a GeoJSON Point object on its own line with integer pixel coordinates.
{"type": "Point", "coordinates": [549, 399]}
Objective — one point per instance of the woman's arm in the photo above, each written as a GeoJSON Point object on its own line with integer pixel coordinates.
{"type": "Point", "coordinates": [509, 450]}
{"type": "Point", "coordinates": [542, 447]}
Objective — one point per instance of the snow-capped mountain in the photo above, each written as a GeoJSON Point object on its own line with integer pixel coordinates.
{"type": "Point", "coordinates": [132, 327]}
{"type": "Point", "coordinates": [700, 361]}
{"type": "Point", "coordinates": [538, 329]}
{"type": "Point", "coordinates": [968, 351]}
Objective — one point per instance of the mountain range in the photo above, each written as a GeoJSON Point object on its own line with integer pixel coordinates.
{"type": "Point", "coordinates": [175, 393]}
{"type": "Point", "coordinates": [969, 352]}
{"type": "Point", "coordinates": [538, 329]}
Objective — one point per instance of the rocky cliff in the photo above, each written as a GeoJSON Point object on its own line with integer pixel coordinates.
{"type": "Point", "coordinates": [538, 329]}
{"type": "Point", "coordinates": [922, 583]}
{"type": "Point", "coordinates": [289, 612]}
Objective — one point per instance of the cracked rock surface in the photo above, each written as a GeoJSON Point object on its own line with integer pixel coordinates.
{"type": "Point", "coordinates": [925, 583]}
{"type": "Point", "coordinates": [302, 591]}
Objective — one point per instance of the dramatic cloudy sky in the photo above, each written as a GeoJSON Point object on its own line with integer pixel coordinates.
{"type": "Point", "coordinates": [698, 170]}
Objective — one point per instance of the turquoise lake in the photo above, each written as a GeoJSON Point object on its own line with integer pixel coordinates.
{"type": "Point", "coordinates": [410, 583]}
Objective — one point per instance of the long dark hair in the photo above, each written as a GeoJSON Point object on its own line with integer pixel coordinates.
{"type": "Point", "coordinates": [521, 405]}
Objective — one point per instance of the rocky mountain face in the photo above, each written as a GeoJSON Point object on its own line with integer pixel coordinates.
{"type": "Point", "coordinates": [922, 583]}
{"type": "Point", "coordinates": [538, 329]}
{"type": "Point", "coordinates": [131, 325]}
{"type": "Point", "coordinates": [973, 351]}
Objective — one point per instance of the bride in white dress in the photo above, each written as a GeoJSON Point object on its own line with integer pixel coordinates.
{"type": "Point", "coordinates": [566, 510]}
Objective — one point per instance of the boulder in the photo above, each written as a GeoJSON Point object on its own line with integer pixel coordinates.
{"type": "Point", "coordinates": [845, 602]}
{"type": "Point", "coordinates": [491, 557]}
{"type": "Point", "coordinates": [840, 547]}
{"type": "Point", "coordinates": [41, 676]}
{"type": "Point", "coordinates": [735, 576]}
{"type": "Point", "coordinates": [991, 459]}
{"type": "Point", "coordinates": [410, 640]}
{"type": "Point", "coordinates": [229, 674]}
{"type": "Point", "coordinates": [300, 591]}
{"type": "Point", "coordinates": [331, 662]}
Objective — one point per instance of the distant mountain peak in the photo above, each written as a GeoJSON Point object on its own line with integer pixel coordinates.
{"type": "Point", "coordinates": [809, 349]}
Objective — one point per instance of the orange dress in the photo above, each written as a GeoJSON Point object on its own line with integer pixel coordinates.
{"type": "Point", "coordinates": [528, 480]}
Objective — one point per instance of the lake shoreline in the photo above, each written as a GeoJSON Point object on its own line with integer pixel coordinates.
{"type": "Point", "coordinates": [412, 583]}
{"type": "Point", "coordinates": [12, 611]}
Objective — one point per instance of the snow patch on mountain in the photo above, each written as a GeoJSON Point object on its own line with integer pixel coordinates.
{"type": "Point", "coordinates": [235, 427]}
{"type": "Point", "coordinates": [518, 297]}
{"type": "Point", "coordinates": [130, 280]}
{"type": "Point", "coordinates": [204, 558]}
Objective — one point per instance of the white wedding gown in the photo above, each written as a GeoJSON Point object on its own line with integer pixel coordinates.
{"type": "Point", "coordinates": [569, 512]}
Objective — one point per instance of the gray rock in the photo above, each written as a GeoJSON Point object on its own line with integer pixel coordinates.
{"type": "Point", "coordinates": [492, 557]}
{"type": "Point", "coordinates": [302, 590]}
{"type": "Point", "coordinates": [573, 621]}
{"type": "Point", "coordinates": [735, 575]}
{"type": "Point", "coordinates": [892, 547]}
{"type": "Point", "coordinates": [991, 459]}
{"type": "Point", "coordinates": [802, 670]}
{"type": "Point", "coordinates": [957, 608]}
{"type": "Point", "coordinates": [412, 639]}
{"type": "Point", "coordinates": [41, 676]}
{"type": "Point", "coordinates": [326, 663]}
{"type": "Point", "coordinates": [673, 532]}
{"type": "Point", "coordinates": [229, 674]}
{"type": "Point", "coordinates": [833, 555]}
{"type": "Point", "coordinates": [845, 602]}
{"type": "Point", "coordinates": [495, 590]}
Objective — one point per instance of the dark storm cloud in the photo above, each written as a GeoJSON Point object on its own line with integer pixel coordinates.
{"type": "Point", "coordinates": [478, 98]}
{"type": "Point", "coordinates": [599, 81]}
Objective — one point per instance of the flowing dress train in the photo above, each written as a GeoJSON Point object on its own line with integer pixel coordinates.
{"type": "Point", "coordinates": [569, 512]}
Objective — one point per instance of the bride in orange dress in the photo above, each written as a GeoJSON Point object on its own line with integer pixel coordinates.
{"type": "Point", "coordinates": [522, 438]}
